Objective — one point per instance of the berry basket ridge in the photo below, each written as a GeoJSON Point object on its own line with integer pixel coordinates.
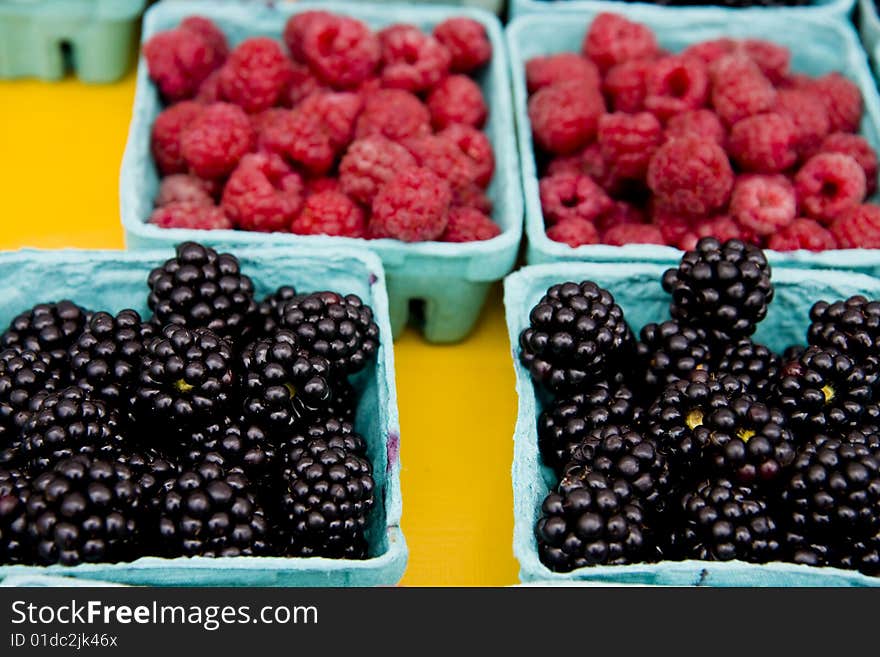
{"type": "Point", "coordinates": [815, 8]}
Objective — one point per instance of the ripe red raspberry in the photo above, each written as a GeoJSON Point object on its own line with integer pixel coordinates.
{"type": "Point", "coordinates": [773, 60]}
{"type": "Point", "coordinates": [472, 196]}
{"type": "Point", "coordinates": [330, 213]}
{"type": "Point", "coordinates": [165, 138]}
{"type": "Point", "coordinates": [702, 123]}
{"type": "Point", "coordinates": [178, 61]}
{"type": "Point", "coordinates": [216, 140]}
{"type": "Point", "coordinates": [338, 112]}
{"type": "Point", "coordinates": [690, 176]}
{"type": "Point", "coordinates": [739, 89]}
{"type": "Point", "coordinates": [266, 122]}
{"type": "Point", "coordinates": [675, 85]}
{"type": "Point", "coordinates": [763, 203]}
{"type": "Point", "coordinates": [413, 207]}
{"type": "Point", "coordinates": [828, 185]}
{"type": "Point", "coordinates": [209, 90]}
{"type": "Point", "coordinates": [394, 114]}
{"type": "Point", "coordinates": [444, 158]}
{"type": "Point", "coordinates": [710, 51]}
{"type": "Point", "coordinates": [190, 215]}
{"type": "Point", "coordinates": [621, 213]}
{"type": "Point", "coordinates": [369, 163]}
{"type": "Point", "coordinates": [587, 161]}
{"type": "Point", "coordinates": [842, 99]}
{"type": "Point", "coordinates": [632, 234]}
{"type": "Point", "coordinates": [629, 141]}
{"type": "Point", "coordinates": [802, 234]}
{"type": "Point", "coordinates": [807, 113]}
{"type": "Point", "coordinates": [565, 116]}
{"type": "Point", "coordinates": [625, 85]}
{"type": "Point", "coordinates": [211, 33]}
{"type": "Point", "coordinates": [551, 69]}
{"type": "Point", "coordinates": [467, 43]}
{"type": "Point", "coordinates": [301, 138]}
{"type": "Point", "coordinates": [412, 60]}
{"type": "Point", "coordinates": [263, 193]}
{"type": "Point", "coordinates": [858, 228]}
{"type": "Point", "coordinates": [613, 39]}
{"type": "Point", "coordinates": [478, 149]}
{"type": "Point", "coordinates": [321, 185]}
{"type": "Point", "coordinates": [295, 31]}
{"type": "Point", "coordinates": [302, 84]}
{"type": "Point", "coordinates": [457, 99]}
{"type": "Point", "coordinates": [858, 149]}
{"type": "Point", "coordinates": [255, 75]}
{"type": "Point", "coordinates": [341, 51]}
{"type": "Point", "coordinates": [675, 229]}
{"type": "Point", "coordinates": [722, 227]}
{"type": "Point", "coordinates": [574, 232]}
{"type": "Point", "coordinates": [469, 225]}
{"type": "Point", "coordinates": [183, 188]}
{"type": "Point", "coordinates": [764, 143]}
{"type": "Point", "coordinates": [572, 196]}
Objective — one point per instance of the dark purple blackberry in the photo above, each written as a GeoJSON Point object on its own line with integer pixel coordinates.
{"type": "Point", "coordinates": [792, 352]}
{"type": "Point", "coordinates": [338, 328]}
{"type": "Point", "coordinates": [49, 328]}
{"type": "Point", "coordinates": [271, 310]}
{"type": "Point", "coordinates": [241, 443]}
{"type": "Point", "coordinates": [722, 288]}
{"type": "Point", "coordinates": [15, 490]}
{"type": "Point", "coordinates": [150, 470]}
{"type": "Point", "coordinates": [200, 288]}
{"type": "Point", "coordinates": [577, 336]}
{"type": "Point", "coordinates": [852, 327]}
{"type": "Point", "coordinates": [590, 520]}
{"type": "Point", "coordinates": [335, 433]}
{"type": "Point", "coordinates": [752, 363]}
{"type": "Point", "coordinates": [342, 404]}
{"type": "Point", "coordinates": [671, 351]}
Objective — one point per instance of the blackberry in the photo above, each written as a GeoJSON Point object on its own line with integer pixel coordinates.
{"type": "Point", "coordinates": [342, 404]}
{"type": "Point", "coordinates": [577, 336]}
{"type": "Point", "coordinates": [84, 510]}
{"type": "Point", "coordinates": [242, 444]}
{"type": "Point", "coordinates": [721, 521]}
{"type": "Point", "coordinates": [852, 327]}
{"type": "Point", "coordinates": [338, 328]}
{"type": "Point", "coordinates": [14, 492]}
{"type": "Point", "coordinates": [336, 434]}
{"type": "Point", "coordinates": [752, 363]}
{"type": "Point", "coordinates": [48, 328]}
{"type": "Point", "coordinates": [722, 288]}
{"type": "Point", "coordinates": [590, 520]}
{"type": "Point", "coordinates": [792, 352]}
{"type": "Point", "coordinates": [271, 310]}
{"type": "Point", "coordinates": [200, 288]}
{"type": "Point", "coordinates": [150, 471]}
{"type": "Point", "coordinates": [671, 351]}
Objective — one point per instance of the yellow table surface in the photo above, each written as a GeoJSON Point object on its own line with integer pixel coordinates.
{"type": "Point", "coordinates": [61, 147]}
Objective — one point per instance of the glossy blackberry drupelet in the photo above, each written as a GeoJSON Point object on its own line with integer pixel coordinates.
{"type": "Point", "coordinates": [187, 378]}
{"type": "Point", "coordinates": [106, 358]}
{"type": "Point", "coordinates": [325, 498]}
{"type": "Point", "coordinates": [852, 327]}
{"type": "Point", "coordinates": [721, 521]}
{"type": "Point", "coordinates": [338, 328]}
{"type": "Point", "coordinates": [590, 520]}
{"type": "Point", "coordinates": [671, 351]}
{"type": "Point", "coordinates": [792, 352]}
{"type": "Point", "coordinates": [49, 328]}
{"type": "Point", "coordinates": [200, 288]}
{"type": "Point", "coordinates": [271, 311]}
{"type": "Point", "coordinates": [335, 433]}
{"type": "Point", "coordinates": [570, 419]}
{"type": "Point", "coordinates": [342, 404]}
{"type": "Point", "coordinates": [14, 492]}
{"type": "Point", "coordinates": [243, 444]}
{"type": "Point", "coordinates": [211, 511]}
{"type": "Point", "coordinates": [84, 510]}
{"type": "Point", "coordinates": [722, 288]}
{"type": "Point", "coordinates": [822, 391]}
{"type": "Point", "coordinates": [576, 338]}
{"type": "Point", "coordinates": [752, 363]}
{"type": "Point", "coordinates": [150, 470]}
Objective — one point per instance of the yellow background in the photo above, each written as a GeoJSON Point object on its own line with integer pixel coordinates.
{"type": "Point", "coordinates": [60, 149]}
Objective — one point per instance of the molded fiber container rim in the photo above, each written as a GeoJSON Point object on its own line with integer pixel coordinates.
{"type": "Point", "coordinates": [66, 10]}
{"type": "Point", "coordinates": [816, 8]}
{"type": "Point", "coordinates": [636, 287]}
{"type": "Point", "coordinates": [114, 279]}
{"type": "Point", "coordinates": [869, 26]}
{"type": "Point", "coordinates": [688, 25]}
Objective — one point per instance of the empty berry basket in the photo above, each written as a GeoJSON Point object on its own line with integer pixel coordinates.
{"type": "Point", "coordinates": [115, 280]}
{"type": "Point", "coordinates": [814, 7]}
{"type": "Point", "coordinates": [450, 280]}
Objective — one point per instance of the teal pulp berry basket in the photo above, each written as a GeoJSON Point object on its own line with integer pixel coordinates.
{"type": "Point", "coordinates": [43, 38]}
{"type": "Point", "coordinates": [818, 46]}
{"type": "Point", "coordinates": [113, 280]}
{"type": "Point", "coordinates": [869, 26]}
{"type": "Point", "coordinates": [450, 280]}
{"type": "Point", "coordinates": [816, 8]}
{"type": "Point", "coordinates": [636, 288]}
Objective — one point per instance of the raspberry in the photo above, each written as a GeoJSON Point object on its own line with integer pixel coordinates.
{"type": "Point", "coordinates": [674, 85]}
{"type": "Point", "coordinates": [565, 116]}
{"type": "Point", "coordinates": [323, 184]}
{"type": "Point", "coordinates": [338, 112]}
{"type": "Point", "coordinates": [465, 39]}
{"type": "Point", "coordinates": [612, 40]}
{"type": "Point", "coordinates": [295, 31]}
{"type": "Point", "coordinates": [368, 164]}
{"type": "Point", "coordinates": [552, 69]}
{"type": "Point", "coordinates": [763, 203]}
{"type": "Point", "coordinates": [394, 114]}
{"type": "Point", "coordinates": [628, 141]}
{"type": "Point", "coordinates": [209, 90]}
{"type": "Point", "coordinates": [842, 99]}
{"type": "Point", "coordinates": [620, 214]}
{"type": "Point", "coordinates": [828, 185]}
{"type": "Point", "coordinates": [255, 75]}
{"type": "Point", "coordinates": [165, 139]}
{"type": "Point", "coordinates": [722, 227]}
{"type": "Point", "coordinates": [572, 196]}
{"type": "Point", "coordinates": [802, 234]}
{"type": "Point", "coordinates": [190, 215]}
{"type": "Point", "coordinates": [739, 89]}
{"type": "Point", "coordinates": [302, 83]}
{"type": "Point", "coordinates": [710, 51]}
{"type": "Point", "coordinates": [330, 213]}
{"type": "Point", "coordinates": [807, 113]}
{"type": "Point", "coordinates": [773, 60]}
{"type": "Point", "coordinates": [412, 60]}
{"type": "Point", "coordinates": [178, 61]}
{"type": "Point", "coordinates": [216, 140]}
{"type": "Point", "coordinates": [858, 228]}
{"type": "Point", "coordinates": [457, 99]}
{"type": "Point", "coordinates": [412, 207]}
{"type": "Point", "coordinates": [702, 123]}
{"type": "Point", "coordinates": [469, 225]}
{"type": "Point", "coordinates": [675, 228]}
{"type": "Point", "coordinates": [625, 85]}
{"type": "Point", "coordinates": [574, 232]}
{"type": "Point", "coordinates": [300, 137]}
{"type": "Point", "coordinates": [764, 143]}
{"type": "Point", "coordinates": [341, 51]}
{"type": "Point", "coordinates": [182, 188]}
{"type": "Point", "coordinates": [690, 176]}
{"type": "Point", "coordinates": [263, 193]}
{"type": "Point", "coordinates": [472, 196]}
{"type": "Point", "coordinates": [213, 35]}
{"type": "Point", "coordinates": [477, 147]}
{"type": "Point", "coordinates": [444, 158]}
{"type": "Point", "coordinates": [632, 234]}
{"type": "Point", "coordinates": [858, 149]}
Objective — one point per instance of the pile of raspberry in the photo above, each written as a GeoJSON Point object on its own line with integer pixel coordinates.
{"type": "Point", "coordinates": [636, 145]}
{"type": "Point", "coordinates": [335, 130]}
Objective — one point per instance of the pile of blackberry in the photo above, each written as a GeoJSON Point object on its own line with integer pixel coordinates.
{"type": "Point", "coordinates": [697, 442]}
{"type": "Point", "coordinates": [221, 425]}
